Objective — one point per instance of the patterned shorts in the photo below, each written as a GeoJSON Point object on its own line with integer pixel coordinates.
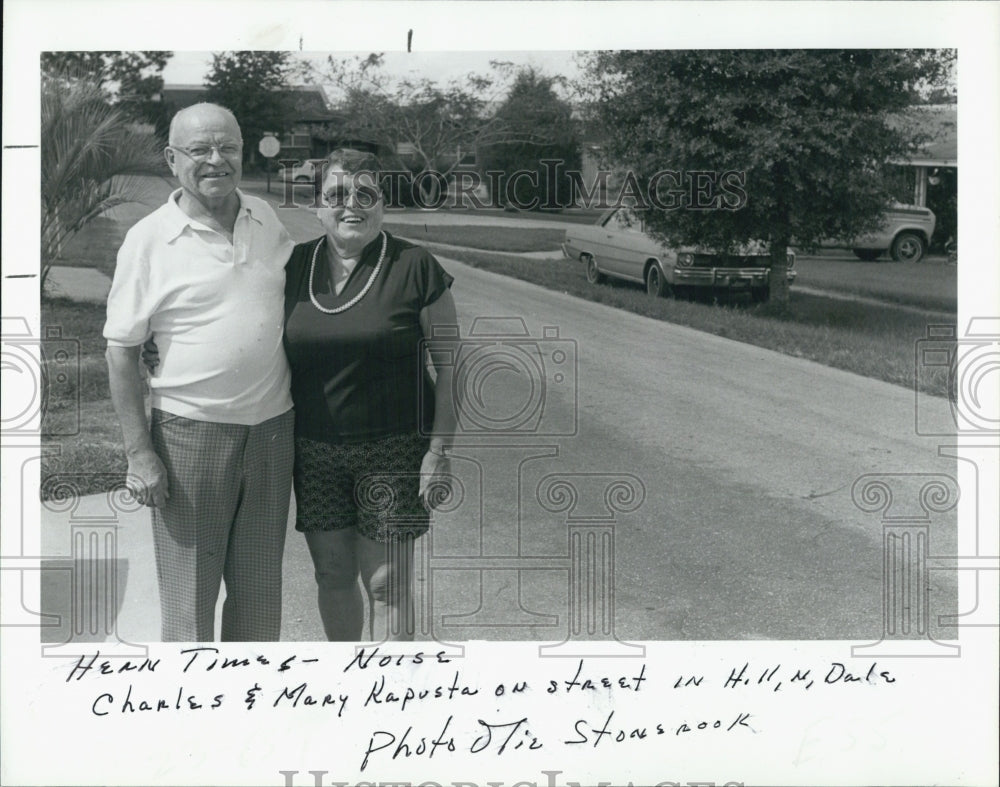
{"type": "Point", "coordinates": [373, 486]}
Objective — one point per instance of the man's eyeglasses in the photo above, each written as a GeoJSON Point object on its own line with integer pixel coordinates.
{"type": "Point", "coordinates": [204, 152]}
{"type": "Point", "coordinates": [364, 196]}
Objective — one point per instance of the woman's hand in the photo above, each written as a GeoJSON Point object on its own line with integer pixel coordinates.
{"type": "Point", "coordinates": [150, 355]}
{"type": "Point", "coordinates": [435, 480]}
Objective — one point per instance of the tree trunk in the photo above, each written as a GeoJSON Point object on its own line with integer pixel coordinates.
{"type": "Point", "coordinates": [779, 271]}
{"type": "Point", "coordinates": [780, 240]}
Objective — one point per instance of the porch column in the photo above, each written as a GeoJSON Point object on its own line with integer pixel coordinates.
{"type": "Point", "coordinates": [920, 187]}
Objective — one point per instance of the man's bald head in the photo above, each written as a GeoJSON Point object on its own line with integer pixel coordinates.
{"type": "Point", "coordinates": [205, 154]}
{"type": "Point", "coordinates": [197, 115]}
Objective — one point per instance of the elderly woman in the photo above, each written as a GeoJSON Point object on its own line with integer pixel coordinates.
{"type": "Point", "coordinates": [371, 429]}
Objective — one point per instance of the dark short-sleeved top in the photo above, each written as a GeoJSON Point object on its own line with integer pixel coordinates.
{"type": "Point", "coordinates": [360, 374]}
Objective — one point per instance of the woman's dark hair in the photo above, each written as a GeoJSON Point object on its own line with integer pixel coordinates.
{"type": "Point", "coordinates": [353, 161]}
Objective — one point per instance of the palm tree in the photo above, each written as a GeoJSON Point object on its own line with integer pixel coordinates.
{"type": "Point", "coordinates": [91, 156]}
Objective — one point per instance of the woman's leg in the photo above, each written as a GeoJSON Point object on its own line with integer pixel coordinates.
{"type": "Point", "coordinates": [387, 574]}
{"type": "Point", "coordinates": [335, 558]}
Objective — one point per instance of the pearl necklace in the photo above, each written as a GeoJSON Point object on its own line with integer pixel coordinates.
{"type": "Point", "coordinates": [360, 295]}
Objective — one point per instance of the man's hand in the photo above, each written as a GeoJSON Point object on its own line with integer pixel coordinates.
{"type": "Point", "coordinates": [435, 480]}
{"type": "Point", "coordinates": [147, 479]}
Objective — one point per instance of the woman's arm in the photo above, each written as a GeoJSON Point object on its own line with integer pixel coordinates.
{"type": "Point", "coordinates": [439, 324]}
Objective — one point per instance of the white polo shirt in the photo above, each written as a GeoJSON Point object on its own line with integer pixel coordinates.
{"type": "Point", "coordinates": [215, 308]}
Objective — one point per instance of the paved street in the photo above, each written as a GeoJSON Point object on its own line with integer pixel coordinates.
{"type": "Point", "coordinates": [698, 488]}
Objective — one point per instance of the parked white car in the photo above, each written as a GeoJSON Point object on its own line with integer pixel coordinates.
{"type": "Point", "coordinates": [618, 247]}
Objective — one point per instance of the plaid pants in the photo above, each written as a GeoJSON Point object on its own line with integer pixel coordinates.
{"type": "Point", "coordinates": [226, 518]}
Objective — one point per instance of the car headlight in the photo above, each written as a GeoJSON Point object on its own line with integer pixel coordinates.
{"type": "Point", "coordinates": [790, 259]}
{"type": "Point", "coordinates": [685, 259]}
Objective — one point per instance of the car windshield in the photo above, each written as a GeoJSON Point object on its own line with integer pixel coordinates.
{"type": "Point", "coordinates": [624, 220]}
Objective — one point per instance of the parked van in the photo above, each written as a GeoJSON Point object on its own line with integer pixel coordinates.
{"type": "Point", "coordinates": [906, 235]}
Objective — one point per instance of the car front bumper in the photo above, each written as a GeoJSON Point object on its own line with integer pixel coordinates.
{"type": "Point", "coordinates": [726, 277]}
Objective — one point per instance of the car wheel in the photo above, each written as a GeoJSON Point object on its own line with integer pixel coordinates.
{"type": "Point", "coordinates": [868, 255]}
{"type": "Point", "coordinates": [594, 276]}
{"type": "Point", "coordinates": [908, 247]}
{"type": "Point", "coordinates": [655, 285]}
{"type": "Point", "coordinates": [303, 179]}
{"type": "Point", "coordinates": [760, 294]}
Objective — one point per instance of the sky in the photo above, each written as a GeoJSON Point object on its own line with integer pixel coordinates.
{"type": "Point", "coordinates": [191, 67]}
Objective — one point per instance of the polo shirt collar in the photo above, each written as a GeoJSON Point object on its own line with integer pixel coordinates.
{"type": "Point", "coordinates": [177, 220]}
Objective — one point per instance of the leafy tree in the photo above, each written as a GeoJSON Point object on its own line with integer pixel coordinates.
{"type": "Point", "coordinates": [91, 157]}
{"type": "Point", "coordinates": [543, 130]}
{"type": "Point", "coordinates": [132, 80]}
{"type": "Point", "coordinates": [809, 128]}
{"type": "Point", "coordinates": [434, 125]}
{"type": "Point", "coordinates": [254, 85]}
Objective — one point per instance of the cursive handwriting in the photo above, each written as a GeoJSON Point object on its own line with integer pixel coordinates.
{"type": "Point", "coordinates": [505, 734]}
{"type": "Point", "coordinates": [408, 746]}
{"type": "Point", "coordinates": [104, 668]}
{"type": "Point", "coordinates": [619, 733]}
{"type": "Point", "coordinates": [128, 705]}
{"type": "Point", "coordinates": [634, 683]}
{"type": "Point", "coordinates": [379, 696]}
{"type": "Point", "coordinates": [363, 659]}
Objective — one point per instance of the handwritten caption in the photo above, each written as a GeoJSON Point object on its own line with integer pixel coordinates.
{"type": "Point", "coordinates": [420, 682]}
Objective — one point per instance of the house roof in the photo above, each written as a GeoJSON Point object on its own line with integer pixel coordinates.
{"type": "Point", "coordinates": [940, 123]}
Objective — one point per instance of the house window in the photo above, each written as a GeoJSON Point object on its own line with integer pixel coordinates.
{"type": "Point", "coordinates": [296, 140]}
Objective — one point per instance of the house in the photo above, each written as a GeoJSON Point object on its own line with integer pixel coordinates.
{"type": "Point", "coordinates": [311, 130]}
{"type": "Point", "coordinates": [929, 177]}
{"type": "Point", "coordinates": [937, 160]}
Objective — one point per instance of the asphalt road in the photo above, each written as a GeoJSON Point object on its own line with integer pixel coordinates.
{"type": "Point", "coordinates": [739, 462]}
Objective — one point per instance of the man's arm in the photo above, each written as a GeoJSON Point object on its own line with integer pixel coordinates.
{"type": "Point", "coordinates": [147, 475]}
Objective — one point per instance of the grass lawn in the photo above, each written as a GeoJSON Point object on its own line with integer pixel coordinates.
{"type": "Point", "coordinates": [929, 285]}
{"type": "Point", "coordinates": [95, 246]}
{"type": "Point", "coordinates": [509, 239]}
{"type": "Point", "coordinates": [869, 340]}
{"type": "Point", "coordinates": [96, 448]}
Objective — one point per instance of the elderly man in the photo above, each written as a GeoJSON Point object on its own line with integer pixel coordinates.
{"type": "Point", "coordinates": [205, 274]}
